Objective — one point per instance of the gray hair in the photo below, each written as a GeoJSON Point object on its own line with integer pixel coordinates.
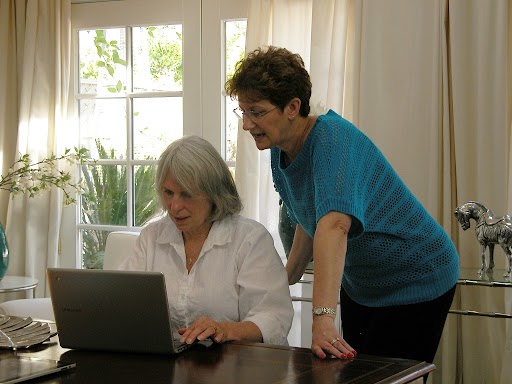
{"type": "Point", "coordinates": [198, 168]}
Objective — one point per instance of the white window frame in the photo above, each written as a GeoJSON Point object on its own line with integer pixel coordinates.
{"type": "Point", "coordinates": [213, 71]}
{"type": "Point", "coordinates": [203, 70]}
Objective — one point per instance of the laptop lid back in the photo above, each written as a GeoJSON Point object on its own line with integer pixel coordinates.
{"type": "Point", "coordinates": [122, 311]}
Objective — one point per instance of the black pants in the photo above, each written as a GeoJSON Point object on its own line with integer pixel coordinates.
{"type": "Point", "coordinates": [405, 331]}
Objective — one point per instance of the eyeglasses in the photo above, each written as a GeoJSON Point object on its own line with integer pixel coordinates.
{"type": "Point", "coordinates": [253, 115]}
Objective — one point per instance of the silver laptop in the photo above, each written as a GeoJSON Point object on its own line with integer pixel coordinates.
{"type": "Point", "coordinates": [121, 311]}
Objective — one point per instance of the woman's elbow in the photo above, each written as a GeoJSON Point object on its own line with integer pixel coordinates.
{"type": "Point", "coordinates": [293, 277]}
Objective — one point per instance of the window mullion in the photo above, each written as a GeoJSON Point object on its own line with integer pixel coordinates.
{"type": "Point", "coordinates": [129, 128]}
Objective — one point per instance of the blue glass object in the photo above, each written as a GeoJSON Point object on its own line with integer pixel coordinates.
{"type": "Point", "coordinates": [4, 253]}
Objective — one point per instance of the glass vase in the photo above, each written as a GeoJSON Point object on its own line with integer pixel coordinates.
{"type": "Point", "coordinates": [4, 253]}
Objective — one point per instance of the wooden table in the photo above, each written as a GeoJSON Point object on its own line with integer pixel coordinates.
{"type": "Point", "coordinates": [224, 364]}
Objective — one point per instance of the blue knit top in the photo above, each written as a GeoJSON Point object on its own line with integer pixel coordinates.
{"type": "Point", "coordinates": [397, 253]}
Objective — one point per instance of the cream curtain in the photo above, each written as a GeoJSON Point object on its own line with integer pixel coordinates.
{"type": "Point", "coordinates": [429, 82]}
{"type": "Point", "coordinates": [8, 95]}
{"type": "Point", "coordinates": [35, 105]}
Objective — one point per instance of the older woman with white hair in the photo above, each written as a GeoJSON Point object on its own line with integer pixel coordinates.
{"type": "Point", "coordinates": [225, 280]}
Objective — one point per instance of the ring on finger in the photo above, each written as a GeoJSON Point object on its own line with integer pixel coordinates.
{"type": "Point", "coordinates": [334, 340]}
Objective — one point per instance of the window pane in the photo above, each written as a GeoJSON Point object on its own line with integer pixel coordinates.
{"type": "Point", "coordinates": [105, 201]}
{"type": "Point", "coordinates": [231, 129]}
{"type": "Point", "coordinates": [157, 122]}
{"type": "Point", "coordinates": [157, 58]}
{"type": "Point", "coordinates": [146, 205]}
{"type": "Point", "coordinates": [102, 58]}
{"type": "Point", "coordinates": [103, 127]}
{"type": "Point", "coordinates": [232, 170]}
{"type": "Point", "coordinates": [93, 248]}
{"type": "Point", "coordinates": [235, 50]}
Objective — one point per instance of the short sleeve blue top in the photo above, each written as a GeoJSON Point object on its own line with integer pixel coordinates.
{"type": "Point", "coordinates": [397, 253]}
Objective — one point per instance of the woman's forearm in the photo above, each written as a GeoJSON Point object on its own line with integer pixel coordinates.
{"type": "Point", "coordinates": [330, 245]}
{"type": "Point", "coordinates": [242, 331]}
{"type": "Point", "coordinates": [301, 254]}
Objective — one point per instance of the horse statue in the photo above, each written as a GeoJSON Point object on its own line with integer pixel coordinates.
{"type": "Point", "coordinates": [489, 231]}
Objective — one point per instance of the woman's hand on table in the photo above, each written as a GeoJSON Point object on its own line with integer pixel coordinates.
{"type": "Point", "coordinates": [202, 329]}
{"type": "Point", "coordinates": [327, 340]}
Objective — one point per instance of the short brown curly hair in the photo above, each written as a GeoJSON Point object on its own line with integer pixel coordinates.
{"type": "Point", "coordinates": [274, 74]}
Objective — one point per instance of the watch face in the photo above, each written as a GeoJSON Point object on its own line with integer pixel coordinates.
{"type": "Point", "coordinates": [318, 311]}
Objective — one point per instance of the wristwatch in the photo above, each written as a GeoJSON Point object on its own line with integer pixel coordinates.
{"type": "Point", "coordinates": [318, 311]}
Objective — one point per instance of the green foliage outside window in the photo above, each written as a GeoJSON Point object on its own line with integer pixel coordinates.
{"type": "Point", "coordinates": [106, 202]}
{"type": "Point", "coordinates": [165, 56]}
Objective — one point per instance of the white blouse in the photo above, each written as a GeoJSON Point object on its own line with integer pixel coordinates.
{"type": "Point", "coordinates": [238, 275]}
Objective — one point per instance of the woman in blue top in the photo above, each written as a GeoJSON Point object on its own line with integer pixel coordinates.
{"type": "Point", "coordinates": [367, 233]}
